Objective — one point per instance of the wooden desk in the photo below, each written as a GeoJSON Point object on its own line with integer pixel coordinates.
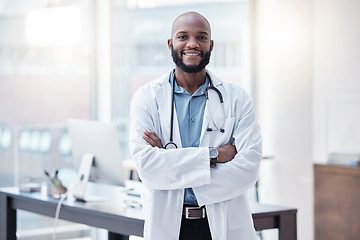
{"type": "Point", "coordinates": [115, 216]}
{"type": "Point", "coordinates": [336, 202]}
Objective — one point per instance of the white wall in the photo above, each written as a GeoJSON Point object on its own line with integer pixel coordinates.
{"type": "Point", "coordinates": [308, 94]}
{"type": "Point", "coordinates": [284, 101]}
{"type": "Point", "coordinates": [336, 78]}
{"type": "Point", "coordinates": [103, 66]}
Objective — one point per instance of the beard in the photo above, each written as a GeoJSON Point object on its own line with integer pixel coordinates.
{"type": "Point", "coordinates": [177, 58]}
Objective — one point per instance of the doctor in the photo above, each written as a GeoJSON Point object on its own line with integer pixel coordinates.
{"type": "Point", "coordinates": [196, 156]}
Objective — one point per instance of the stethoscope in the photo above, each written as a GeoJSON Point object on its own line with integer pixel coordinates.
{"type": "Point", "coordinates": [171, 144]}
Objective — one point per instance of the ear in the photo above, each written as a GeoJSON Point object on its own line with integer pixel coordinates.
{"type": "Point", "coordinates": [211, 45]}
{"type": "Point", "coordinates": [169, 43]}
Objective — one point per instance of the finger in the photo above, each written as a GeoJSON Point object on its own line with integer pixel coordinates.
{"type": "Point", "coordinates": [149, 140]}
{"type": "Point", "coordinates": [156, 138]}
{"type": "Point", "coordinates": [226, 153]}
{"type": "Point", "coordinates": [151, 134]}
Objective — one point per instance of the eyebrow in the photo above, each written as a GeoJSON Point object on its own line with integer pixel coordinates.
{"type": "Point", "coordinates": [182, 32]}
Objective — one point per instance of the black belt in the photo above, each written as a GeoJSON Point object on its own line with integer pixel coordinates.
{"type": "Point", "coordinates": [190, 212]}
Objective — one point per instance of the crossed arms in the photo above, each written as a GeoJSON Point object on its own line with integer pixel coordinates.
{"type": "Point", "coordinates": [226, 152]}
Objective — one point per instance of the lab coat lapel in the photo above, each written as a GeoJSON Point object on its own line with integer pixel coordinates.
{"type": "Point", "coordinates": [176, 130]}
{"type": "Point", "coordinates": [164, 95]}
{"type": "Point", "coordinates": [214, 100]}
{"type": "Point", "coordinates": [205, 124]}
{"type": "Point", "coordinates": [207, 121]}
{"type": "Point", "coordinates": [213, 107]}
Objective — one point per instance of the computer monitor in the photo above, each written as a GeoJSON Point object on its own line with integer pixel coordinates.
{"type": "Point", "coordinates": [96, 153]}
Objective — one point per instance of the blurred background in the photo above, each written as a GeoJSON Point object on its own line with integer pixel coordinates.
{"type": "Point", "coordinates": [60, 59]}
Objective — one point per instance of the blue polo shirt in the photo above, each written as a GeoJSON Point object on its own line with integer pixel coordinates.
{"type": "Point", "coordinates": [190, 113]}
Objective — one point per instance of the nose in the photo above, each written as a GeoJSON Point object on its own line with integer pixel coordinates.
{"type": "Point", "coordinates": [192, 43]}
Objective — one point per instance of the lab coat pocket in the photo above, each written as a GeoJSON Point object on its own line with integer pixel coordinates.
{"type": "Point", "coordinates": [239, 214]}
{"type": "Point", "coordinates": [220, 133]}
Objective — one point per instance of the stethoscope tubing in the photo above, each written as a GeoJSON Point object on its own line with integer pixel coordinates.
{"type": "Point", "coordinates": [171, 142]}
{"type": "Point", "coordinates": [211, 87]}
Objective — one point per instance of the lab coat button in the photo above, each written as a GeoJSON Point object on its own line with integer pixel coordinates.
{"type": "Point", "coordinates": [193, 119]}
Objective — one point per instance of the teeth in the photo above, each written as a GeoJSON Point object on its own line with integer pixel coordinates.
{"type": "Point", "coordinates": [192, 54]}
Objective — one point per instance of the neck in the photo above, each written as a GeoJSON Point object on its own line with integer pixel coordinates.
{"type": "Point", "coordinates": [190, 81]}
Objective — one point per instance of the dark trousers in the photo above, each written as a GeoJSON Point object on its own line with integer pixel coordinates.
{"type": "Point", "coordinates": [195, 229]}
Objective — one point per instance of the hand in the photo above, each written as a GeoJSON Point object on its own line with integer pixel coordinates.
{"type": "Point", "coordinates": [226, 153]}
{"type": "Point", "coordinates": [152, 139]}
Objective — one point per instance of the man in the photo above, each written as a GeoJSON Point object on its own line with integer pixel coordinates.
{"type": "Point", "coordinates": [197, 190]}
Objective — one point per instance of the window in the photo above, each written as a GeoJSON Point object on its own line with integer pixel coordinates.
{"type": "Point", "coordinates": [45, 78]}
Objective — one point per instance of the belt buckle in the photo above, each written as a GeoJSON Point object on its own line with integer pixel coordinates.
{"type": "Point", "coordinates": [187, 212]}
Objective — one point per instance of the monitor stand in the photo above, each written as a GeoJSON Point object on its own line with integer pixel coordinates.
{"type": "Point", "coordinates": [79, 189]}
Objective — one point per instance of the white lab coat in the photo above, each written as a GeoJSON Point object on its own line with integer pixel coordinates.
{"type": "Point", "coordinates": [166, 173]}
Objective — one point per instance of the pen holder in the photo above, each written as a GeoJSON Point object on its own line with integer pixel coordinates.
{"type": "Point", "coordinates": [55, 188]}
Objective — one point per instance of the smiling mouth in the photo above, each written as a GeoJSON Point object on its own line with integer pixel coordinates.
{"type": "Point", "coordinates": [191, 54]}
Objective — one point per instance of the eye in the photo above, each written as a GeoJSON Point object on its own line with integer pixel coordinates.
{"type": "Point", "coordinates": [181, 37]}
{"type": "Point", "coordinates": [203, 38]}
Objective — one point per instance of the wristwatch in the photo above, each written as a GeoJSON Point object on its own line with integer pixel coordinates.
{"type": "Point", "coordinates": [213, 152]}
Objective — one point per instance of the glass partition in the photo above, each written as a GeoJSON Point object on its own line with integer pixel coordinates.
{"type": "Point", "coordinates": [45, 77]}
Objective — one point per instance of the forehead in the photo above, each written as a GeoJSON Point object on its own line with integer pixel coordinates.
{"type": "Point", "coordinates": [191, 23]}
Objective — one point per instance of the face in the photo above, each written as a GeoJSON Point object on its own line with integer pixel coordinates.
{"type": "Point", "coordinates": [190, 44]}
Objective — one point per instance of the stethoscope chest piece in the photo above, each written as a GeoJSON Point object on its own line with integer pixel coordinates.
{"type": "Point", "coordinates": [171, 145]}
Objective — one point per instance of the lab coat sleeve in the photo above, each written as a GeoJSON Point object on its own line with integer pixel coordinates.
{"type": "Point", "coordinates": [234, 178]}
{"type": "Point", "coordinates": [162, 169]}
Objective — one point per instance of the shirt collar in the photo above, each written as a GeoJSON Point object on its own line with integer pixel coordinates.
{"type": "Point", "coordinates": [200, 91]}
